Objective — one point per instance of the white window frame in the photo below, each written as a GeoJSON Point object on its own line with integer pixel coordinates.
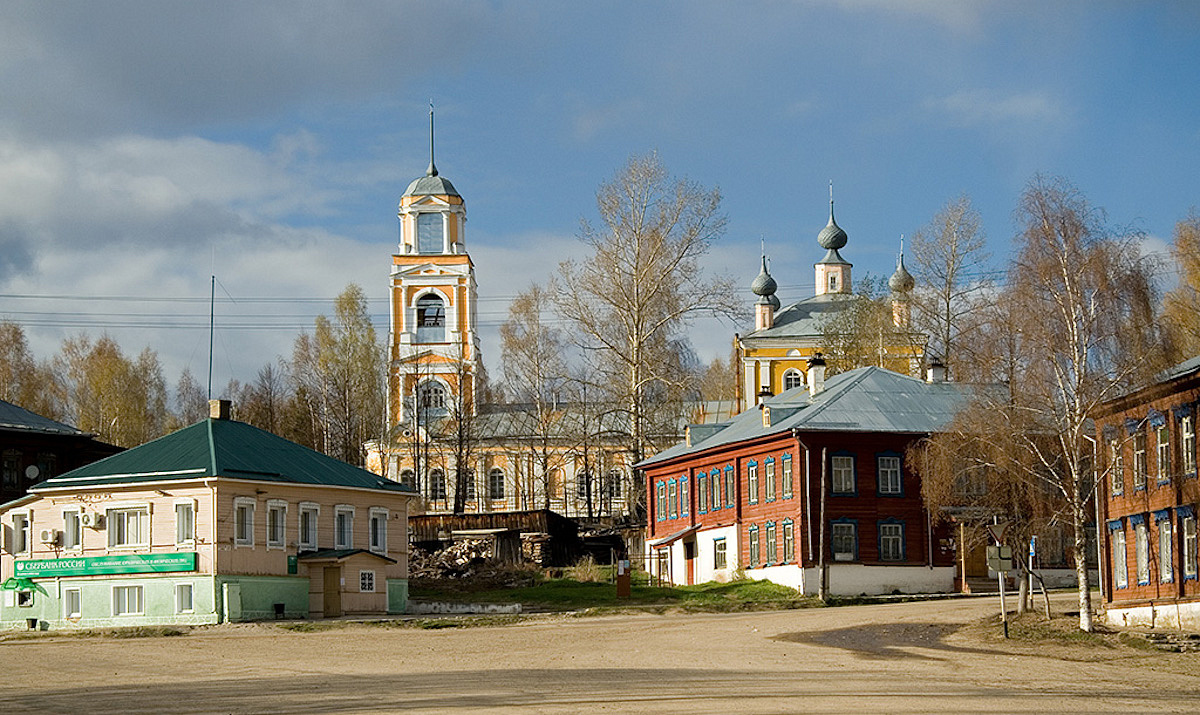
{"type": "Point", "coordinates": [120, 600]}
{"type": "Point", "coordinates": [191, 597]}
{"type": "Point", "coordinates": [118, 513]}
{"type": "Point", "coordinates": [720, 554]}
{"type": "Point", "coordinates": [1141, 470]}
{"type": "Point", "coordinates": [841, 474]}
{"type": "Point", "coordinates": [307, 507]}
{"type": "Point", "coordinates": [1120, 558]}
{"type": "Point", "coordinates": [1166, 552]}
{"type": "Point", "coordinates": [377, 515]}
{"type": "Point", "coordinates": [789, 486]}
{"type": "Point", "coordinates": [792, 379]}
{"type": "Point", "coordinates": [1163, 453]}
{"type": "Point", "coordinates": [1187, 525]}
{"type": "Point", "coordinates": [1187, 447]}
{"type": "Point", "coordinates": [890, 475]}
{"type": "Point", "coordinates": [366, 581]}
{"type": "Point", "coordinates": [1141, 550]}
{"type": "Point", "coordinates": [277, 507]}
{"type": "Point", "coordinates": [72, 526]}
{"type": "Point", "coordinates": [848, 537]}
{"type": "Point", "coordinates": [789, 541]}
{"type": "Point", "coordinates": [249, 504]}
{"type": "Point", "coordinates": [891, 541]}
{"type": "Point", "coordinates": [68, 612]}
{"type": "Point", "coordinates": [185, 528]}
{"type": "Point", "coordinates": [769, 481]}
{"type": "Point", "coordinates": [1116, 466]}
{"type": "Point", "coordinates": [752, 483]}
{"type": "Point", "coordinates": [22, 535]}
{"type": "Point", "coordinates": [338, 512]}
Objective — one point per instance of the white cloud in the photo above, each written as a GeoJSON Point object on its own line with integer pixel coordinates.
{"type": "Point", "coordinates": [975, 107]}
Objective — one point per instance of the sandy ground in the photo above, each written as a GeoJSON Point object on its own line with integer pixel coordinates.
{"type": "Point", "coordinates": [909, 657]}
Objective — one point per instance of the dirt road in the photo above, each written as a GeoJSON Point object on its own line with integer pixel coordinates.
{"type": "Point", "coordinates": [889, 658]}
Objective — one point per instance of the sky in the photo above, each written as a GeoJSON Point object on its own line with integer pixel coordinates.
{"type": "Point", "coordinates": [147, 146]}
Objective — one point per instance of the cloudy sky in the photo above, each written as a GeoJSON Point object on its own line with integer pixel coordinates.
{"type": "Point", "coordinates": [145, 146]}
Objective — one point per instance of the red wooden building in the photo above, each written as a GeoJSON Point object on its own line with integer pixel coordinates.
{"type": "Point", "coordinates": [749, 494]}
{"type": "Point", "coordinates": [1149, 497]}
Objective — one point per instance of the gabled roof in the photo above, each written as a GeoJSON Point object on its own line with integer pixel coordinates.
{"type": "Point", "coordinates": [13, 417]}
{"type": "Point", "coordinates": [221, 448]}
{"type": "Point", "coordinates": [867, 399]}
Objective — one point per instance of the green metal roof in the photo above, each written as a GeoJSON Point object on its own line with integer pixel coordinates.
{"type": "Point", "coordinates": [221, 448]}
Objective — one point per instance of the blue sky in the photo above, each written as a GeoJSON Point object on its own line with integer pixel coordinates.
{"type": "Point", "coordinates": [144, 145]}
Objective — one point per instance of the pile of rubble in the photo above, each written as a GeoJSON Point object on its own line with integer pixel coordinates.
{"type": "Point", "coordinates": [458, 560]}
{"type": "Point", "coordinates": [1174, 642]}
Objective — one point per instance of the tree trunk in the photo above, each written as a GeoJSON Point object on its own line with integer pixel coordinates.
{"type": "Point", "coordinates": [1079, 551]}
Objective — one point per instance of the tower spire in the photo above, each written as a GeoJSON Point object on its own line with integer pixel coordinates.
{"type": "Point", "coordinates": [432, 170]}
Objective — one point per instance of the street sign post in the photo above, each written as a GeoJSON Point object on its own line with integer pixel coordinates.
{"type": "Point", "coordinates": [1000, 561]}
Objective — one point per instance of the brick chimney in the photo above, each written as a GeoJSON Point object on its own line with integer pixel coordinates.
{"type": "Point", "coordinates": [219, 409]}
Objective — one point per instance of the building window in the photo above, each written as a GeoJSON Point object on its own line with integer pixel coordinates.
{"type": "Point", "coordinates": [684, 498]}
{"type": "Point", "coordinates": [183, 598]}
{"type": "Point", "coordinates": [276, 520]}
{"type": "Point", "coordinates": [47, 465]}
{"type": "Point", "coordinates": [1163, 456]}
{"type": "Point", "coordinates": [308, 526]}
{"type": "Point", "coordinates": [752, 482]}
{"type": "Point", "coordinates": [378, 530]}
{"type": "Point", "coordinates": [431, 397]}
{"type": "Point", "coordinates": [581, 483]}
{"type": "Point", "coordinates": [72, 530]}
{"type": "Point", "coordinates": [673, 492]}
{"type": "Point", "coordinates": [469, 486]}
{"type": "Point", "coordinates": [1116, 467]}
{"type": "Point", "coordinates": [430, 231]}
{"type": "Point", "coordinates": [719, 557]}
{"type": "Point", "coordinates": [769, 480]}
{"type": "Point", "coordinates": [891, 541]}
{"type": "Point", "coordinates": [431, 319]}
{"type": "Point", "coordinates": [1187, 429]}
{"type": "Point", "coordinates": [793, 379]}
{"type": "Point", "coordinates": [789, 541]}
{"type": "Point", "coordinates": [614, 484]}
{"type": "Point", "coordinates": [1166, 554]}
{"type": "Point", "coordinates": [701, 493]}
{"type": "Point", "coordinates": [1139, 460]}
{"type": "Point", "coordinates": [21, 532]}
{"type": "Point", "coordinates": [343, 527]}
{"type": "Point", "coordinates": [844, 541]}
{"type": "Point", "coordinates": [661, 511]}
{"type": "Point", "coordinates": [770, 544]}
{"type": "Point", "coordinates": [730, 486]}
{"type": "Point", "coordinates": [754, 549]}
{"type": "Point", "coordinates": [842, 469]}
{"type": "Point", "coordinates": [496, 483]}
{"type": "Point", "coordinates": [366, 581]}
{"type": "Point", "coordinates": [11, 468]}
{"type": "Point", "coordinates": [714, 477]}
{"type": "Point", "coordinates": [1187, 524]}
{"type": "Point", "coordinates": [788, 486]}
{"type": "Point", "coordinates": [437, 485]}
{"type": "Point", "coordinates": [408, 479]}
{"type": "Point", "coordinates": [889, 476]}
{"type": "Point", "coordinates": [185, 522]}
{"type": "Point", "coordinates": [127, 600]}
{"type": "Point", "coordinates": [243, 521]}
{"type": "Point", "coordinates": [72, 603]}
{"type": "Point", "coordinates": [128, 527]}
{"type": "Point", "coordinates": [1141, 551]}
{"type": "Point", "coordinates": [1120, 557]}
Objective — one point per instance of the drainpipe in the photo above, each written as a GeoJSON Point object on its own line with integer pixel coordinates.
{"type": "Point", "coordinates": [823, 592]}
{"type": "Point", "coordinates": [807, 501]}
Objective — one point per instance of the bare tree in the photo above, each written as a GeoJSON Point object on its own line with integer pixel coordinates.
{"type": "Point", "coordinates": [190, 401]}
{"type": "Point", "coordinates": [644, 280]}
{"type": "Point", "coordinates": [864, 332]}
{"type": "Point", "coordinates": [24, 380]}
{"type": "Point", "coordinates": [949, 256]}
{"type": "Point", "coordinates": [1181, 310]}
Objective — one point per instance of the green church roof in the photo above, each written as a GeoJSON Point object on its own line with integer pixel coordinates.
{"type": "Point", "coordinates": [221, 448]}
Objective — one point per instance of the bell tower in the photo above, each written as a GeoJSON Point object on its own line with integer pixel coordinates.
{"type": "Point", "coordinates": [434, 348]}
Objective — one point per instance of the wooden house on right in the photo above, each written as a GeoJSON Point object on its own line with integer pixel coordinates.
{"type": "Point", "coordinates": [1149, 495]}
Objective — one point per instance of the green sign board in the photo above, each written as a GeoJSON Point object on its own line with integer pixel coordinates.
{"type": "Point", "coordinates": [100, 565]}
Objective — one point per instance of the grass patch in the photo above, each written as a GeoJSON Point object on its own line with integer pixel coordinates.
{"type": "Point", "coordinates": [576, 595]}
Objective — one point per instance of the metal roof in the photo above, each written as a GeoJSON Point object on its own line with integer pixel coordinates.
{"type": "Point", "coordinates": [806, 318]}
{"type": "Point", "coordinates": [221, 448]}
{"type": "Point", "coordinates": [867, 399]}
{"type": "Point", "coordinates": [431, 185]}
{"type": "Point", "coordinates": [13, 417]}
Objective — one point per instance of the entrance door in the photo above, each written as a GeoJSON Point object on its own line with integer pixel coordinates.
{"type": "Point", "coordinates": [689, 556]}
{"type": "Point", "coordinates": [333, 591]}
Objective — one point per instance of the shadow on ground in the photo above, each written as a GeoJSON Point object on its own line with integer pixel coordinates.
{"type": "Point", "coordinates": [886, 640]}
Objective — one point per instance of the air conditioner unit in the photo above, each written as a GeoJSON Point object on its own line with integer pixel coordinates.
{"type": "Point", "coordinates": [92, 520]}
{"type": "Point", "coordinates": [50, 536]}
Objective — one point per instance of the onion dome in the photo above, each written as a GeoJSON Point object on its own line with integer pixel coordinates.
{"type": "Point", "coordinates": [901, 281]}
{"type": "Point", "coordinates": [832, 236]}
{"type": "Point", "coordinates": [764, 285]}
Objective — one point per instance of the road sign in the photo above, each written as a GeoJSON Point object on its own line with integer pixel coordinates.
{"type": "Point", "coordinates": [999, 558]}
{"type": "Point", "coordinates": [998, 531]}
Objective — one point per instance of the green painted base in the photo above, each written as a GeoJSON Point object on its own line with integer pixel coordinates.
{"type": "Point", "coordinates": [397, 589]}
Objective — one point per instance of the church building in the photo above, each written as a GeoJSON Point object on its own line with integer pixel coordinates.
{"type": "Point", "coordinates": [774, 356]}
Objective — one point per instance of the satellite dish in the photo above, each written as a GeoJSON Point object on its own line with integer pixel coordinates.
{"type": "Point", "coordinates": [32, 472]}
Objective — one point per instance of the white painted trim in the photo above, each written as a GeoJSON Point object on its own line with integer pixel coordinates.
{"type": "Point", "coordinates": [253, 504]}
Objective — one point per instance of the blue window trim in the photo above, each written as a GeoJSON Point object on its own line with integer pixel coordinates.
{"type": "Point", "coordinates": [844, 520]}
{"type": "Point", "coordinates": [853, 473]}
{"type": "Point", "coordinates": [787, 459]}
{"type": "Point", "coordinates": [715, 478]}
{"type": "Point", "coordinates": [752, 536]}
{"type": "Point", "coordinates": [730, 481]}
{"type": "Point", "coordinates": [769, 528]}
{"type": "Point", "coordinates": [1132, 425]}
{"type": "Point", "coordinates": [785, 524]}
{"type": "Point", "coordinates": [1161, 515]}
{"type": "Point", "coordinates": [1156, 418]}
{"type": "Point", "coordinates": [1182, 512]}
{"type": "Point", "coordinates": [701, 506]}
{"type": "Point", "coordinates": [1109, 432]}
{"type": "Point", "coordinates": [752, 494]}
{"type": "Point", "coordinates": [1135, 519]}
{"type": "Point", "coordinates": [878, 491]}
{"type": "Point", "coordinates": [1120, 526]}
{"type": "Point", "coordinates": [684, 497]}
{"type": "Point", "coordinates": [672, 483]}
{"type": "Point", "coordinates": [769, 462]}
{"type": "Point", "coordinates": [661, 491]}
{"type": "Point", "coordinates": [1185, 510]}
{"type": "Point", "coordinates": [903, 537]}
{"type": "Point", "coordinates": [1183, 410]}
{"type": "Point", "coordinates": [1116, 524]}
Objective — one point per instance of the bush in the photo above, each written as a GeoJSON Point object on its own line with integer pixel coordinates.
{"type": "Point", "coordinates": [586, 570]}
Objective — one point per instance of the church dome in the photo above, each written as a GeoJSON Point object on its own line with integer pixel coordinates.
{"type": "Point", "coordinates": [901, 281]}
{"type": "Point", "coordinates": [832, 236]}
{"type": "Point", "coordinates": [764, 284]}
{"type": "Point", "coordinates": [431, 185]}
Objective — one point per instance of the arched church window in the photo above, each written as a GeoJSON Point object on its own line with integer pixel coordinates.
{"type": "Point", "coordinates": [430, 233]}
{"type": "Point", "coordinates": [431, 319]}
{"type": "Point", "coordinates": [793, 379]}
{"type": "Point", "coordinates": [431, 396]}
{"type": "Point", "coordinates": [496, 483]}
{"type": "Point", "coordinates": [408, 479]}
